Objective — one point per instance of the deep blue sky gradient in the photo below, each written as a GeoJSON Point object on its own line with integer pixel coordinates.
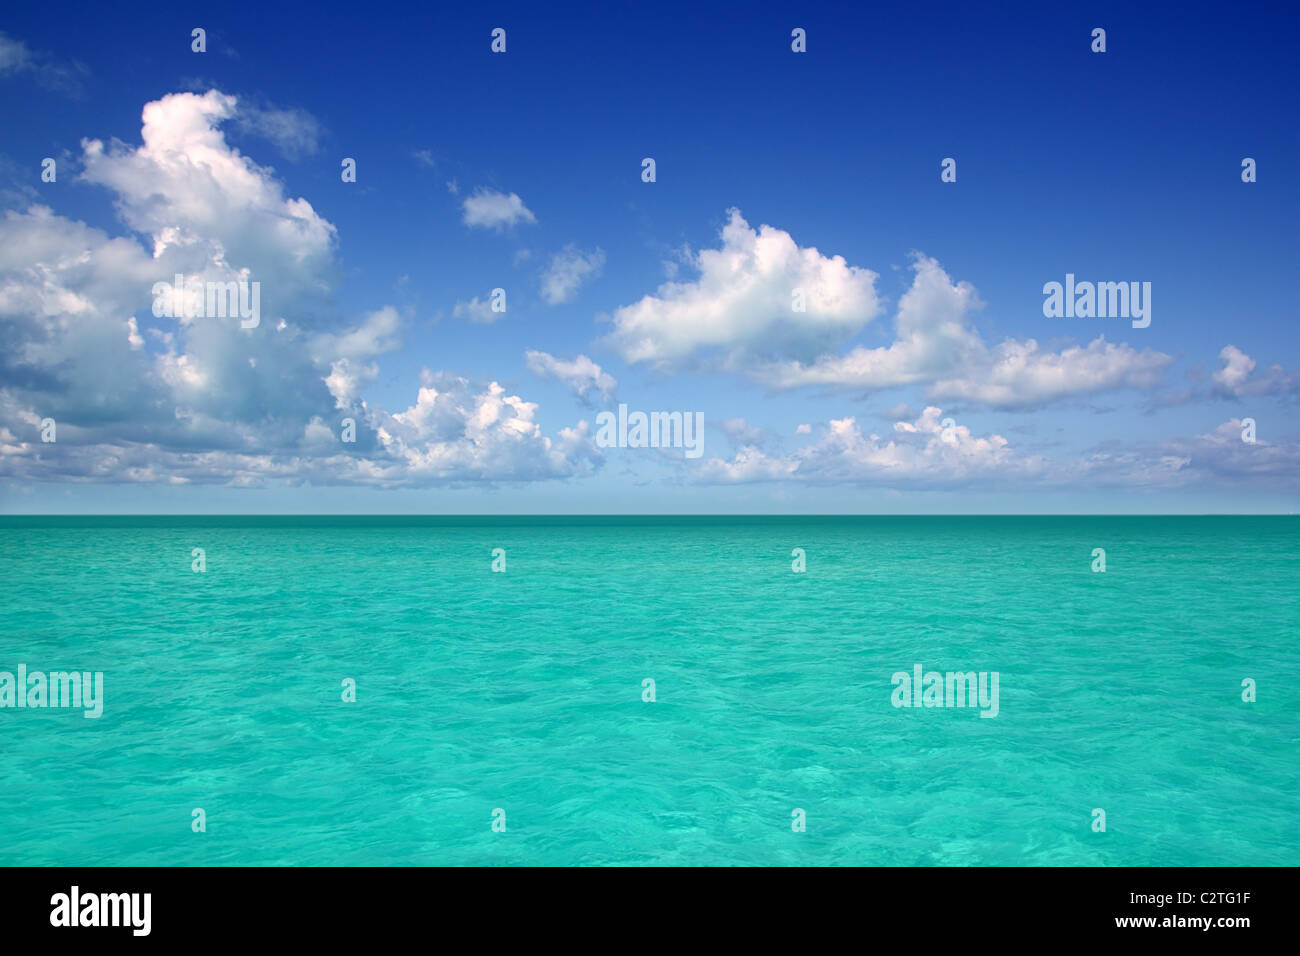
{"type": "Point", "coordinates": [1116, 166]}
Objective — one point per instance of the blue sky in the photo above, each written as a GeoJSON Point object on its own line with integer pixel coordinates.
{"type": "Point", "coordinates": [775, 170]}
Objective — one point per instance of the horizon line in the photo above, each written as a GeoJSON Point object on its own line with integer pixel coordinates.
{"type": "Point", "coordinates": [656, 514]}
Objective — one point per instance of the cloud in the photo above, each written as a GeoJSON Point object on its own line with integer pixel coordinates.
{"type": "Point", "coordinates": [1223, 454]}
{"type": "Point", "coordinates": [740, 433]}
{"type": "Point", "coordinates": [1237, 366]}
{"type": "Point", "coordinates": [925, 451]}
{"type": "Point", "coordinates": [1217, 459]}
{"type": "Point", "coordinates": [743, 303]}
{"type": "Point", "coordinates": [935, 452]}
{"type": "Point", "coordinates": [938, 349]}
{"type": "Point", "coordinates": [477, 311]}
{"type": "Point", "coordinates": [53, 74]}
{"type": "Point", "coordinates": [145, 397]}
{"type": "Point", "coordinates": [14, 55]}
{"type": "Point", "coordinates": [348, 354]}
{"type": "Point", "coordinates": [17, 189]}
{"type": "Point", "coordinates": [581, 374]}
{"type": "Point", "coordinates": [1020, 374]}
{"type": "Point", "coordinates": [425, 158]}
{"type": "Point", "coordinates": [206, 204]}
{"type": "Point", "coordinates": [568, 270]}
{"type": "Point", "coordinates": [1237, 379]}
{"type": "Point", "coordinates": [294, 132]}
{"type": "Point", "coordinates": [456, 431]}
{"type": "Point", "coordinates": [489, 209]}
{"type": "Point", "coordinates": [740, 311]}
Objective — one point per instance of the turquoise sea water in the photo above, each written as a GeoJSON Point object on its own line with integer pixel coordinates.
{"type": "Point", "coordinates": [522, 691]}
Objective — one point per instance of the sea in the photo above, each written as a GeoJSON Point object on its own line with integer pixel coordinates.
{"type": "Point", "coordinates": [680, 691]}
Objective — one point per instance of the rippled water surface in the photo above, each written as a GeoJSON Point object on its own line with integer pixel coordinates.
{"type": "Point", "coordinates": [523, 691]}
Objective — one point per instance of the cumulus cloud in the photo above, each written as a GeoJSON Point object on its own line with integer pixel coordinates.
{"type": "Point", "coordinates": [140, 396]}
{"type": "Point", "coordinates": [210, 206]}
{"type": "Point", "coordinates": [938, 349]}
{"type": "Point", "coordinates": [1237, 379]}
{"type": "Point", "coordinates": [456, 431]}
{"type": "Point", "coordinates": [741, 310]}
{"type": "Point", "coordinates": [489, 209]}
{"type": "Point", "coordinates": [936, 452]}
{"type": "Point", "coordinates": [581, 374]}
{"type": "Point", "coordinates": [568, 270]}
{"type": "Point", "coordinates": [1237, 366]}
{"type": "Point", "coordinates": [744, 303]}
{"type": "Point", "coordinates": [927, 451]}
{"type": "Point", "coordinates": [349, 354]}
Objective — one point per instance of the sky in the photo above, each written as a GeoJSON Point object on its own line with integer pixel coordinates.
{"type": "Point", "coordinates": [856, 332]}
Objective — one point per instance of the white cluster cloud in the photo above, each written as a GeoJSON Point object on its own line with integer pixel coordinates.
{"type": "Point", "coordinates": [144, 397]}
{"type": "Point", "coordinates": [214, 209]}
{"type": "Point", "coordinates": [743, 303]}
{"type": "Point", "coordinates": [924, 451]}
{"type": "Point", "coordinates": [742, 308]}
{"type": "Point", "coordinates": [490, 209]}
{"type": "Point", "coordinates": [581, 374]}
{"type": "Point", "coordinates": [349, 354]}
{"type": "Point", "coordinates": [938, 349]}
{"type": "Point", "coordinates": [457, 433]}
{"type": "Point", "coordinates": [140, 397]}
{"type": "Point", "coordinates": [1237, 378]}
{"type": "Point", "coordinates": [934, 452]}
{"type": "Point", "coordinates": [1237, 366]}
{"type": "Point", "coordinates": [568, 270]}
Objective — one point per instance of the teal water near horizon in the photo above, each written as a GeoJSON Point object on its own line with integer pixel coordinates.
{"type": "Point", "coordinates": [523, 690]}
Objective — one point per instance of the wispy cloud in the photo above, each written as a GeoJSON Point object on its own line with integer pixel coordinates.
{"type": "Point", "coordinates": [66, 77]}
{"type": "Point", "coordinates": [568, 270]}
{"type": "Point", "coordinates": [581, 374]}
{"type": "Point", "coordinates": [294, 132]}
